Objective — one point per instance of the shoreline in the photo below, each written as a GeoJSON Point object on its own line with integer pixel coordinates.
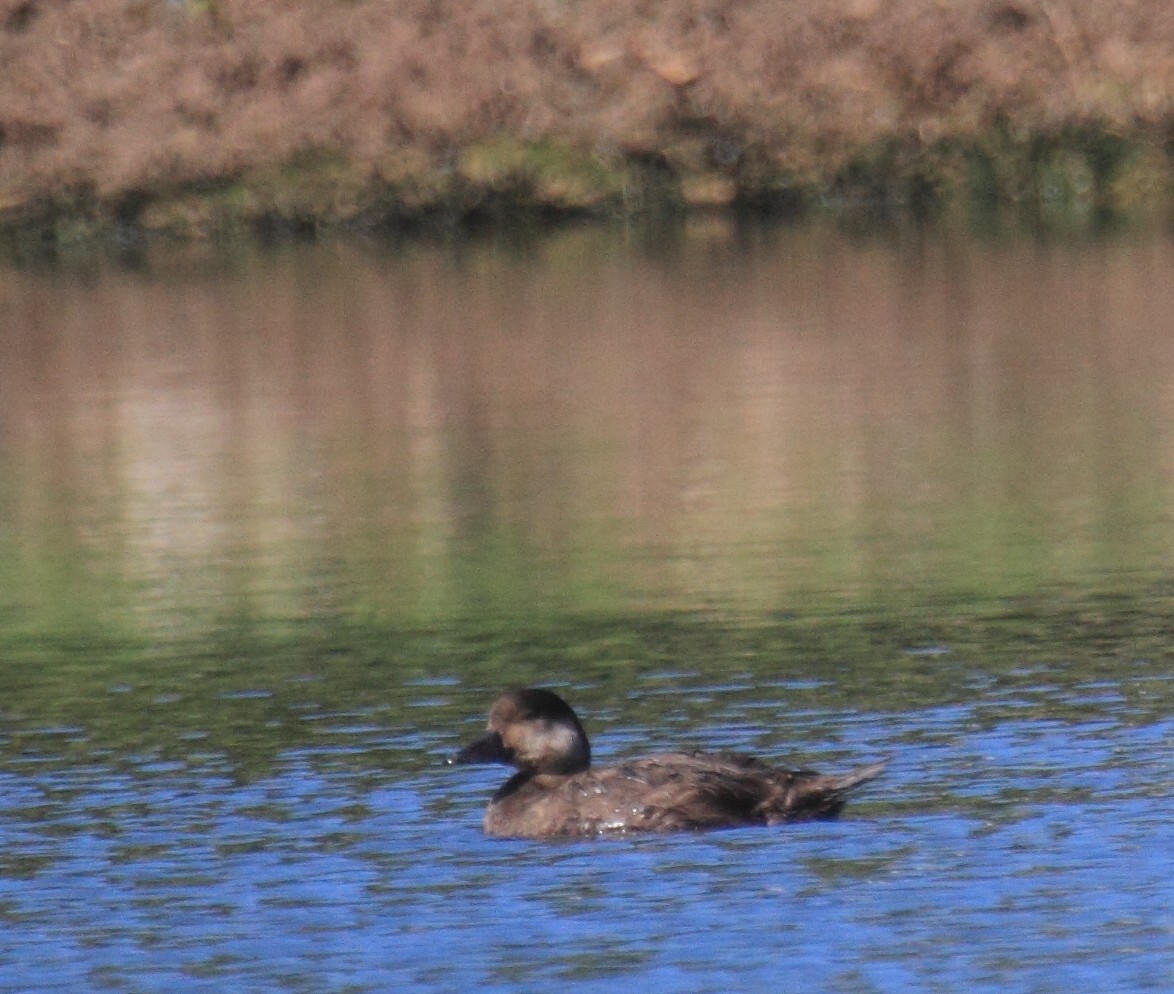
{"type": "Point", "coordinates": [212, 120]}
{"type": "Point", "coordinates": [1084, 184]}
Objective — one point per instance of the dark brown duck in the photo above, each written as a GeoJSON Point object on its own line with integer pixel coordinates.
{"type": "Point", "coordinates": [555, 793]}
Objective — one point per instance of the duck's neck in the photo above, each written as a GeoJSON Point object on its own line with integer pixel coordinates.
{"type": "Point", "coordinates": [542, 780]}
{"type": "Point", "coordinates": [513, 784]}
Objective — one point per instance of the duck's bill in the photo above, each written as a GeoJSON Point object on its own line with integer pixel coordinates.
{"type": "Point", "coordinates": [487, 749]}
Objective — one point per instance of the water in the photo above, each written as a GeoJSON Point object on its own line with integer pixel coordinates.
{"type": "Point", "coordinates": [277, 527]}
{"type": "Point", "coordinates": [1031, 856]}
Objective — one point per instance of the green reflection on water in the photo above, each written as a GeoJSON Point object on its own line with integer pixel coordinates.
{"type": "Point", "coordinates": [243, 509]}
{"type": "Point", "coordinates": [249, 696]}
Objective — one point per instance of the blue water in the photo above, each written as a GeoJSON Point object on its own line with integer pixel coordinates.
{"type": "Point", "coordinates": [1034, 855]}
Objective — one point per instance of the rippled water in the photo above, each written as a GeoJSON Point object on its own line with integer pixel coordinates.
{"type": "Point", "coordinates": [276, 529]}
{"type": "Point", "coordinates": [1007, 855]}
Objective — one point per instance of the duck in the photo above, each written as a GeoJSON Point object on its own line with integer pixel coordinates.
{"type": "Point", "coordinates": [556, 793]}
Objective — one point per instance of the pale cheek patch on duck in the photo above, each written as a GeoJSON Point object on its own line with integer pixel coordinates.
{"type": "Point", "coordinates": [547, 746]}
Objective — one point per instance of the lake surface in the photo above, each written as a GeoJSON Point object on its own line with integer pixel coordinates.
{"type": "Point", "coordinates": [276, 526]}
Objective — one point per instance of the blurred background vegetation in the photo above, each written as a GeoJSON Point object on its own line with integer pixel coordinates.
{"type": "Point", "coordinates": [207, 118]}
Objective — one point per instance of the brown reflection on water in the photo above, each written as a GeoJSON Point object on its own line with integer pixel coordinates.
{"type": "Point", "coordinates": [583, 422]}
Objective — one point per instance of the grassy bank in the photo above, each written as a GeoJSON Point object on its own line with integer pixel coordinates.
{"type": "Point", "coordinates": [208, 117]}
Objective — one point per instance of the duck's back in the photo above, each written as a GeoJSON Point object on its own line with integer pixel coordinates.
{"type": "Point", "coordinates": [667, 792]}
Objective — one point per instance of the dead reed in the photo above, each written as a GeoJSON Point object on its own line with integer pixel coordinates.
{"type": "Point", "coordinates": [180, 113]}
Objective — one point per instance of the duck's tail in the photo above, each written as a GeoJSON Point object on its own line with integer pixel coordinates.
{"type": "Point", "coordinates": [862, 774]}
{"type": "Point", "coordinates": [820, 795]}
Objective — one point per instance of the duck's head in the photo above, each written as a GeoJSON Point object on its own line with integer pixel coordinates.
{"type": "Point", "coordinates": [534, 730]}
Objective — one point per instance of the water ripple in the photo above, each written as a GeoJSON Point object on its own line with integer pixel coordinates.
{"type": "Point", "coordinates": [1028, 856]}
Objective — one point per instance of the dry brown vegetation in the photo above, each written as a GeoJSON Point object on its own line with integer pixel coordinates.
{"type": "Point", "coordinates": [150, 110]}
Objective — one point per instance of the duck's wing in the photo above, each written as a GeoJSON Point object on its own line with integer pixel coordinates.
{"type": "Point", "coordinates": [684, 791]}
{"type": "Point", "coordinates": [680, 791]}
{"type": "Point", "coordinates": [668, 793]}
